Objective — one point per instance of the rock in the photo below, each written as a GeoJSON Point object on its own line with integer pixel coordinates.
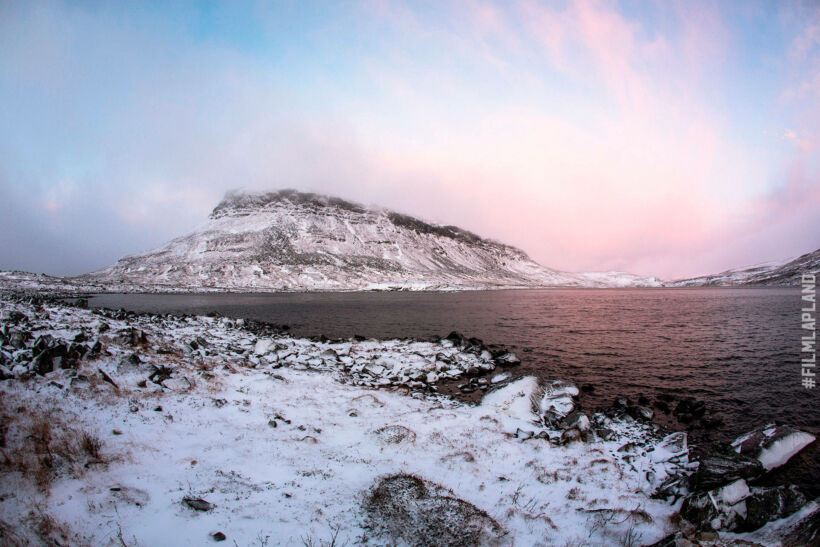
{"type": "Point", "coordinates": [767, 504]}
{"type": "Point", "coordinates": [804, 532]}
{"type": "Point", "coordinates": [556, 400]}
{"type": "Point", "coordinates": [641, 412]}
{"type": "Point", "coordinates": [197, 504]}
{"type": "Point", "coordinates": [456, 338]}
{"type": "Point", "coordinates": [218, 536]}
{"type": "Point", "coordinates": [507, 359]}
{"type": "Point", "coordinates": [606, 433]}
{"type": "Point", "coordinates": [773, 445]}
{"type": "Point", "coordinates": [498, 378]}
{"type": "Point", "coordinates": [133, 336]}
{"type": "Point", "coordinates": [719, 509]}
{"type": "Point", "coordinates": [689, 409]}
{"type": "Point", "coordinates": [263, 345]}
{"type": "Point", "coordinates": [523, 434]}
{"type": "Point", "coordinates": [577, 420]}
{"type": "Point", "coordinates": [662, 406]}
{"type": "Point", "coordinates": [570, 436]}
{"type": "Point", "coordinates": [672, 446]}
{"type": "Point", "coordinates": [720, 465]}
{"type": "Point", "coordinates": [620, 403]}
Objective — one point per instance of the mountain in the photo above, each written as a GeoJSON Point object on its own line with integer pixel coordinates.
{"type": "Point", "coordinates": [289, 240]}
{"type": "Point", "coordinates": [772, 273]}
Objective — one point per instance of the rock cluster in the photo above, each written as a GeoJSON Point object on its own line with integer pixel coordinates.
{"type": "Point", "coordinates": [723, 496]}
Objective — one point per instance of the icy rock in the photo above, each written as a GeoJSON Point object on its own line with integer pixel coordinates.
{"type": "Point", "coordinates": [498, 378]}
{"type": "Point", "coordinates": [431, 378]}
{"type": "Point", "coordinates": [508, 359]}
{"type": "Point", "coordinates": [639, 412]}
{"type": "Point", "coordinates": [512, 405]}
{"type": "Point", "coordinates": [263, 345]}
{"type": "Point", "coordinates": [197, 504]}
{"type": "Point", "coordinates": [720, 465]}
{"type": "Point", "coordinates": [720, 509]}
{"type": "Point", "coordinates": [556, 400]}
{"type": "Point", "coordinates": [672, 446]}
{"type": "Point", "coordinates": [773, 445]}
{"type": "Point", "coordinates": [569, 436]}
{"type": "Point", "coordinates": [767, 504]}
{"type": "Point", "coordinates": [577, 420]}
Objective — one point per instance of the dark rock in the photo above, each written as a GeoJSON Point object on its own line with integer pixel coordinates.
{"type": "Point", "coordinates": [134, 359]}
{"type": "Point", "coordinates": [578, 420]}
{"type": "Point", "coordinates": [218, 536]}
{"type": "Point", "coordinates": [456, 338]}
{"type": "Point", "coordinates": [806, 532]}
{"type": "Point", "coordinates": [768, 504]}
{"type": "Point", "coordinates": [662, 406]}
{"type": "Point", "coordinates": [606, 433]}
{"type": "Point", "coordinates": [720, 465]}
{"type": "Point", "coordinates": [773, 445]}
{"type": "Point", "coordinates": [133, 337]}
{"type": "Point", "coordinates": [18, 338]}
{"type": "Point", "coordinates": [639, 412]}
{"type": "Point", "coordinates": [690, 408]}
{"type": "Point", "coordinates": [43, 363]}
{"type": "Point", "coordinates": [197, 504]}
{"type": "Point", "coordinates": [81, 337]}
{"type": "Point", "coordinates": [507, 359]}
{"type": "Point", "coordinates": [570, 436]}
{"type": "Point", "coordinates": [620, 403]}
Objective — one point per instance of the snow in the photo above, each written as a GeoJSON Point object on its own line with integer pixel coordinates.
{"type": "Point", "coordinates": [288, 450]}
{"type": "Point", "coordinates": [781, 450]}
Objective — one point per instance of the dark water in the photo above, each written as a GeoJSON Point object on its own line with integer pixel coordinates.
{"type": "Point", "coordinates": [738, 350]}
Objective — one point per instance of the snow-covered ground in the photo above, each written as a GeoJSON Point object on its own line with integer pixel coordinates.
{"type": "Point", "coordinates": [274, 433]}
{"type": "Point", "coordinates": [123, 429]}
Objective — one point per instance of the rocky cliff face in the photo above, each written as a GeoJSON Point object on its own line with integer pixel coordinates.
{"type": "Point", "coordinates": [290, 240]}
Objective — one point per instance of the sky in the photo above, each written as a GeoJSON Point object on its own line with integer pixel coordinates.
{"type": "Point", "coordinates": [659, 138]}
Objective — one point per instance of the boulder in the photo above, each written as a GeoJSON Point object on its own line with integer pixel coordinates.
{"type": "Point", "coordinates": [507, 359]}
{"type": "Point", "coordinates": [767, 504]}
{"type": "Point", "coordinates": [640, 412]}
{"type": "Point", "coordinates": [773, 445]}
{"type": "Point", "coordinates": [720, 465]}
{"type": "Point", "coordinates": [689, 409]}
{"type": "Point", "coordinates": [570, 436]}
{"type": "Point", "coordinates": [719, 509]}
{"type": "Point", "coordinates": [577, 420]}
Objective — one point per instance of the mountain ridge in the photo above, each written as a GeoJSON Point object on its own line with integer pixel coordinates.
{"type": "Point", "coordinates": [287, 240]}
{"type": "Point", "coordinates": [290, 240]}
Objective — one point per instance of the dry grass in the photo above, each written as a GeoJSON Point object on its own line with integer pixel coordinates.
{"type": "Point", "coordinates": [38, 444]}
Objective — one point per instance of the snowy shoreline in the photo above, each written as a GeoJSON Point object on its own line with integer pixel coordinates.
{"type": "Point", "coordinates": [219, 428]}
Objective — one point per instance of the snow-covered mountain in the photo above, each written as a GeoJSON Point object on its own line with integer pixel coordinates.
{"type": "Point", "coordinates": [289, 240]}
{"type": "Point", "coordinates": [772, 273]}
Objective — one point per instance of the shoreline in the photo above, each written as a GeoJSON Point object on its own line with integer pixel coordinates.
{"type": "Point", "coordinates": [184, 365]}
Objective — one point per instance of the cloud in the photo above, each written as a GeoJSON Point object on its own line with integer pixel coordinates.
{"type": "Point", "coordinates": [591, 136]}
